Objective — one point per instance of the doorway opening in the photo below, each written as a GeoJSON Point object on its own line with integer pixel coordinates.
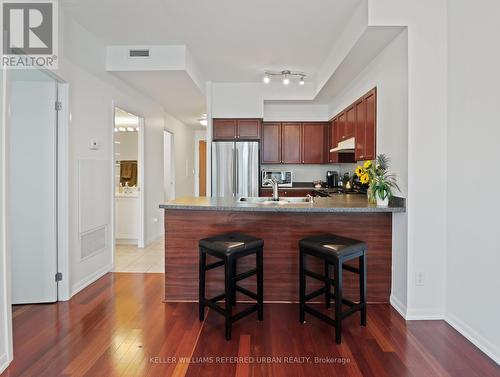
{"type": "Point", "coordinates": [130, 254]}
{"type": "Point", "coordinates": [168, 166]}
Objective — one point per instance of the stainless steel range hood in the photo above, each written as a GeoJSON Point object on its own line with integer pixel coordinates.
{"type": "Point", "coordinates": [345, 146]}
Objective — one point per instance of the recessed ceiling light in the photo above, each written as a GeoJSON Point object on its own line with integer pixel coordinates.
{"type": "Point", "coordinates": [122, 129]}
{"type": "Point", "coordinates": [131, 129]}
{"type": "Point", "coordinates": [137, 129]}
{"type": "Point", "coordinates": [203, 122]}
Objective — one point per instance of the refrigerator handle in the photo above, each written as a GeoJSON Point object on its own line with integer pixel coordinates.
{"type": "Point", "coordinates": [237, 173]}
{"type": "Point", "coordinates": [235, 169]}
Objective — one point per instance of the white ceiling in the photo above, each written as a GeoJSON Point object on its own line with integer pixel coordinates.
{"type": "Point", "coordinates": [175, 90]}
{"type": "Point", "coordinates": [230, 40]}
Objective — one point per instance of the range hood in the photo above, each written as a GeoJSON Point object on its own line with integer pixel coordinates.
{"type": "Point", "coordinates": [345, 146]}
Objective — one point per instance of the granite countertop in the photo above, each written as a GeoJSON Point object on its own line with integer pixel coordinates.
{"type": "Point", "coordinates": [338, 203]}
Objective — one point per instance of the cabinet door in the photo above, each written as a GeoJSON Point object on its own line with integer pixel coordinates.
{"type": "Point", "coordinates": [271, 143]}
{"type": "Point", "coordinates": [371, 127]}
{"type": "Point", "coordinates": [360, 130]}
{"type": "Point", "coordinates": [341, 128]}
{"type": "Point", "coordinates": [248, 129]}
{"type": "Point", "coordinates": [350, 122]}
{"type": "Point", "coordinates": [291, 143]}
{"type": "Point", "coordinates": [332, 140]}
{"type": "Point", "coordinates": [313, 143]}
{"type": "Point", "coordinates": [224, 129]}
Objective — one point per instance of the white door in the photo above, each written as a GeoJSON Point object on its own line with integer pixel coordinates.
{"type": "Point", "coordinates": [32, 186]}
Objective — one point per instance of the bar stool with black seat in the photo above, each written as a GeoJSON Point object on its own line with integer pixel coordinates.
{"type": "Point", "coordinates": [334, 251]}
{"type": "Point", "coordinates": [229, 248]}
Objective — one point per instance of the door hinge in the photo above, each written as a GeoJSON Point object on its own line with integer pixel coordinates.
{"type": "Point", "coordinates": [59, 276]}
{"type": "Point", "coordinates": [58, 105]}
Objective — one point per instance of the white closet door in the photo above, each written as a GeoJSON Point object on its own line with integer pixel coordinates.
{"type": "Point", "coordinates": [32, 157]}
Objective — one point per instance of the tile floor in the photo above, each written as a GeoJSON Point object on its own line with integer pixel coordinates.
{"type": "Point", "coordinates": [129, 258]}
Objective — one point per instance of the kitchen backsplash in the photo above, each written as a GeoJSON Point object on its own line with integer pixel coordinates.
{"type": "Point", "coordinates": [309, 173]}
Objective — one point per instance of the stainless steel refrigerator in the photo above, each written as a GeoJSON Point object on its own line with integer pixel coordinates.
{"type": "Point", "coordinates": [235, 168]}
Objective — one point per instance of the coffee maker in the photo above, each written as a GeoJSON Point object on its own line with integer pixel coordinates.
{"type": "Point", "coordinates": [332, 179]}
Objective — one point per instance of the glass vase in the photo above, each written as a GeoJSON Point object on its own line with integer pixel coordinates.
{"type": "Point", "coordinates": [371, 196]}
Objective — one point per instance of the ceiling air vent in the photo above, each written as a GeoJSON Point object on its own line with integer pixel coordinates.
{"type": "Point", "coordinates": [143, 53]}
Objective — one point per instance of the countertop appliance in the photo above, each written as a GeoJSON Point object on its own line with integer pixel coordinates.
{"type": "Point", "coordinates": [235, 168]}
{"type": "Point", "coordinates": [284, 178]}
{"type": "Point", "coordinates": [332, 179]}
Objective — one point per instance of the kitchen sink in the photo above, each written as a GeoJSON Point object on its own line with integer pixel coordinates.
{"type": "Point", "coordinates": [269, 201]}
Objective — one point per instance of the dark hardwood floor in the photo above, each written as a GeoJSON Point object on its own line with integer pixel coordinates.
{"type": "Point", "coordinates": [119, 326]}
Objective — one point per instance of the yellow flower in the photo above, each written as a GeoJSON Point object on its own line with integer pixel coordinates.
{"type": "Point", "coordinates": [359, 171]}
{"type": "Point", "coordinates": [364, 178]}
{"type": "Point", "coordinates": [367, 164]}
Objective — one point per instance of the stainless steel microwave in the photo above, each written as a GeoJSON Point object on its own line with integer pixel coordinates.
{"type": "Point", "coordinates": [284, 178]}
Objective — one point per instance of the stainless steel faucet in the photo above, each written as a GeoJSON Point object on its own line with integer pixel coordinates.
{"type": "Point", "coordinates": [274, 184]}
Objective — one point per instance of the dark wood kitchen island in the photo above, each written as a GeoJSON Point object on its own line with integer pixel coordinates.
{"type": "Point", "coordinates": [281, 226]}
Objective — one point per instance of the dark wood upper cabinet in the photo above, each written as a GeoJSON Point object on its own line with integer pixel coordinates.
{"type": "Point", "coordinates": [236, 129]}
{"type": "Point", "coordinates": [224, 129]}
{"type": "Point", "coordinates": [341, 126]}
{"type": "Point", "coordinates": [271, 143]}
{"type": "Point", "coordinates": [313, 143]}
{"type": "Point", "coordinates": [333, 140]}
{"type": "Point", "coordinates": [358, 120]}
{"type": "Point", "coordinates": [291, 135]}
{"type": "Point", "coordinates": [371, 126]}
{"type": "Point", "coordinates": [248, 129]}
{"type": "Point", "coordinates": [360, 129]}
{"type": "Point", "coordinates": [350, 123]}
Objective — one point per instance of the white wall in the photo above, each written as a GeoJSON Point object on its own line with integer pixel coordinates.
{"type": "Point", "coordinates": [427, 117]}
{"type": "Point", "coordinates": [93, 92]}
{"type": "Point", "coordinates": [389, 73]}
{"type": "Point", "coordinates": [295, 112]}
{"type": "Point", "coordinates": [473, 251]}
{"type": "Point", "coordinates": [184, 156]}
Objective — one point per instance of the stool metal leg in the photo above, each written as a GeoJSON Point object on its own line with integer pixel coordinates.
{"type": "Point", "coordinates": [229, 286]}
{"type": "Point", "coordinates": [327, 285]}
{"type": "Point", "coordinates": [338, 301]}
{"type": "Point", "coordinates": [201, 284]}
{"type": "Point", "coordinates": [362, 287]}
{"type": "Point", "coordinates": [260, 283]}
{"type": "Point", "coordinates": [302, 285]}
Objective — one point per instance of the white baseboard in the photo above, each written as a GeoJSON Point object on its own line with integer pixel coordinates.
{"type": "Point", "coordinates": [4, 362]}
{"type": "Point", "coordinates": [398, 305]}
{"type": "Point", "coordinates": [492, 351]}
{"type": "Point", "coordinates": [75, 288]}
{"type": "Point", "coordinates": [424, 315]}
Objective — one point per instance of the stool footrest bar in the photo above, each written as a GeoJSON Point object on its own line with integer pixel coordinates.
{"type": "Point", "coordinates": [316, 293]}
{"type": "Point", "coordinates": [246, 292]}
{"type": "Point", "coordinates": [319, 315]}
{"type": "Point", "coordinates": [245, 312]}
{"type": "Point", "coordinates": [214, 265]}
{"type": "Point", "coordinates": [245, 274]}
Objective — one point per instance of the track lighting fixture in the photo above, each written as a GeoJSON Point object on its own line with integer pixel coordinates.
{"type": "Point", "coordinates": [285, 76]}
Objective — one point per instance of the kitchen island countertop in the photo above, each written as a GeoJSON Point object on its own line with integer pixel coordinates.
{"type": "Point", "coordinates": [334, 204]}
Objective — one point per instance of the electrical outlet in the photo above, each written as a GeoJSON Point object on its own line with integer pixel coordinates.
{"type": "Point", "coordinates": [419, 279]}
